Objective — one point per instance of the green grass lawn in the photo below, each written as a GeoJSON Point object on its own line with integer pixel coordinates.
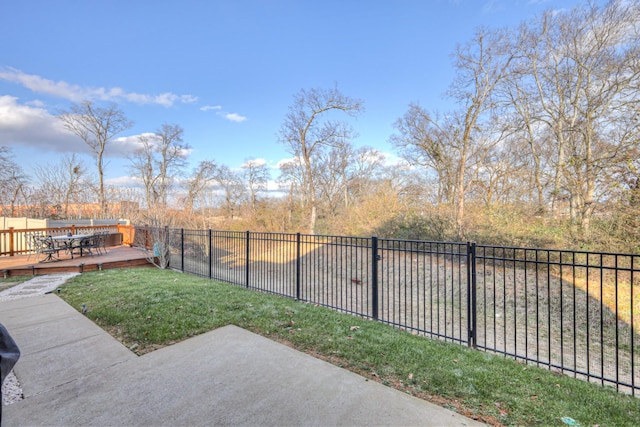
{"type": "Point", "coordinates": [149, 308]}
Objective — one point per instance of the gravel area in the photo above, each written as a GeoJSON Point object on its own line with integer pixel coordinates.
{"type": "Point", "coordinates": [39, 285]}
{"type": "Point", "coordinates": [11, 390]}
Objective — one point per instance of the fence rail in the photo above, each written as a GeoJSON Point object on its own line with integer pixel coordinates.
{"type": "Point", "coordinates": [572, 312]}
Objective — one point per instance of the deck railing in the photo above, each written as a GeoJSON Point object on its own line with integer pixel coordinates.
{"type": "Point", "coordinates": [14, 241]}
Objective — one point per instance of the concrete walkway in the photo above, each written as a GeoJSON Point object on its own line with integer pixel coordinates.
{"type": "Point", "coordinates": [39, 285]}
{"type": "Point", "coordinates": [73, 373]}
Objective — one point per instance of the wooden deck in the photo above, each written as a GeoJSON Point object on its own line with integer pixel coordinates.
{"type": "Point", "coordinates": [116, 257]}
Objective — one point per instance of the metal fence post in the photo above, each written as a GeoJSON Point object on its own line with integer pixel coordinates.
{"type": "Point", "coordinates": [471, 294]}
{"type": "Point", "coordinates": [210, 236]}
{"type": "Point", "coordinates": [246, 272]}
{"type": "Point", "coordinates": [374, 277]}
{"type": "Point", "coordinates": [298, 266]}
{"type": "Point", "coordinates": [182, 249]}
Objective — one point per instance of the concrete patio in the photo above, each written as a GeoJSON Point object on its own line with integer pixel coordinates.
{"type": "Point", "coordinates": [73, 373]}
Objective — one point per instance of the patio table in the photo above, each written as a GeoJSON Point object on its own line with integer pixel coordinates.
{"type": "Point", "coordinates": [68, 243]}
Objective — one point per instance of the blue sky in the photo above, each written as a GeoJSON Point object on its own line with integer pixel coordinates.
{"type": "Point", "coordinates": [226, 71]}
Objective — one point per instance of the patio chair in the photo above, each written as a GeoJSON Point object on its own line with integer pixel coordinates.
{"type": "Point", "coordinates": [99, 242]}
{"type": "Point", "coordinates": [45, 245]}
{"type": "Point", "coordinates": [87, 244]}
{"type": "Point", "coordinates": [104, 235]}
{"type": "Point", "coordinates": [32, 244]}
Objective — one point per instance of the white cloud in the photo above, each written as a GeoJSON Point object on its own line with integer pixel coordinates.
{"type": "Point", "coordinates": [372, 156]}
{"type": "Point", "coordinates": [234, 117]}
{"type": "Point", "coordinates": [284, 162]}
{"type": "Point", "coordinates": [211, 107]}
{"type": "Point", "coordinates": [274, 188]}
{"type": "Point", "coordinates": [76, 93]}
{"type": "Point", "coordinates": [27, 126]}
{"type": "Point", "coordinates": [391, 160]}
{"type": "Point", "coordinates": [35, 103]}
{"type": "Point", "coordinates": [125, 145]}
{"type": "Point", "coordinates": [42, 85]}
{"type": "Point", "coordinates": [254, 163]}
{"type": "Point", "coordinates": [168, 99]}
{"type": "Point", "coordinates": [124, 182]}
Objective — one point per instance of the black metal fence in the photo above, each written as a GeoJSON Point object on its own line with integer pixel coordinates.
{"type": "Point", "coordinates": [573, 312]}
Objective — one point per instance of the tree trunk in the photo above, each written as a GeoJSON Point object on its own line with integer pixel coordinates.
{"type": "Point", "coordinates": [101, 199]}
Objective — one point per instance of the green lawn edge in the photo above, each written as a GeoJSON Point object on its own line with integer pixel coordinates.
{"type": "Point", "coordinates": [147, 309]}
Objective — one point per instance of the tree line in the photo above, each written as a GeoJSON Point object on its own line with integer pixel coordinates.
{"type": "Point", "coordinates": [540, 147]}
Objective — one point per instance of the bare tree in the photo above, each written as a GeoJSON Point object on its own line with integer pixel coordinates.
{"type": "Point", "coordinates": [156, 239]}
{"type": "Point", "coordinates": [97, 127]}
{"type": "Point", "coordinates": [65, 183]}
{"type": "Point", "coordinates": [160, 159]}
{"type": "Point", "coordinates": [172, 158]}
{"type": "Point", "coordinates": [256, 176]}
{"type": "Point", "coordinates": [233, 191]}
{"type": "Point", "coordinates": [453, 144]}
{"type": "Point", "coordinates": [520, 92]}
{"type": "Point", "coordinates": [481, 65]}
{"type": "Point", "coordinates": [293, 183]}
{"type": "Point", "coordinates": [344, 174]}
{"type": "Point", "coordinates": [578, 80]}
{"type": "Point", "coordinates": [308, 130]}
{"type": "Point", "coordinates": [12, 180]}
{"type": "Point", "coordinates": [26, 202]}
{"type": "Point", "coordinates": [128, 202]}
{"type": "Point", "coordinates": [332, 177]}
{"type": "Point", "coordinates": [366, 167]}
{"type": "Point", "coordinates": [502, 176]}
{"type": "Point", "coordinates": [142, 166]}
{"type": "Point", "coordinates": [605, 59]}
{"type": "Point", "coordinates": [423, 141]}
{"type": "Point", "coordinates": [215, 183]}
{"type": "Point", "coordinates": [203, 176]}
